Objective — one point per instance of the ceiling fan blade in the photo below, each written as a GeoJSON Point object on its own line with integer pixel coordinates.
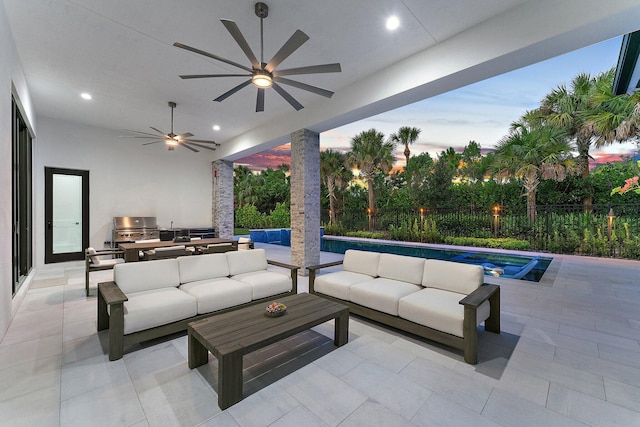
{"type": "Point", "coordinates": [312, 69]}
{"type": "Point", "coordinates": [149, 135]}
{"type": "Point", "coordinates": [153, 142]}
{"type": "Point", "coordinates": [203, 141]}
{"type": "Point", "coordinates": [207, 76]}
{"type": "Point", "coordinates": [242, 42]}
{"type": "Point", "coordinates": [202, 146]}
{"type": "Point", "coordinates": [260, 101]}
{"type": "Point", "coordinates": [211, 55]}
{"type": "Point", "coordinates": [158, 130]}
{"type": "Point", "coordinates": [190, 148]}
{"type": "Point", "coordinates": [140, 136]}
{"type": "Point", "coordinates": [295, 41]}
{"type": "Point", "coordinates": [184, 135]}
{"type": "Point", "coordinates": [304, 86]}
{"type": "Point", "coordinates": [290, 99]}
{"type": "Point", "coordinates": [232, 91]}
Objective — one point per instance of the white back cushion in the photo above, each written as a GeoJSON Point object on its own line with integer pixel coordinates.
{"type": "Point", "coordinates": [452, 276]}
{"type": "Point", "coordinates": [246, 261]}
{"type": "Point", "coordinates": [146, 275]}
{"type": "Point", "coordinates": [402, 268]}
{"type": "Point", "coordinates": [362, 262]}
{"type": "Point", "coordinates": [94, 259]}
{"type": "Point", "coordinates": [202, 267]}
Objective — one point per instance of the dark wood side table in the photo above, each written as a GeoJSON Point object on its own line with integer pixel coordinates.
{"type": "Point", "coordinates": [231, 335]}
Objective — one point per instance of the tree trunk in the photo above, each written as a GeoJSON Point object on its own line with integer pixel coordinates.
{"type": "Point", "coordinates": [583, 160]}
{"type": "Point", "coordinates": [372, 203]}
{"type": "Point", "coordinates": [531, 205]}
{"type": "Point", "coordinates": [407, 153]}
{"type": "Point", "coordinates": [332, 208]}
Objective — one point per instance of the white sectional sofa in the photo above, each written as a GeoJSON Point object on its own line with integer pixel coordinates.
{"type": "Point", "coordinates": [150, 299]}
{"type": "Point", "coordinates": [439, 300]}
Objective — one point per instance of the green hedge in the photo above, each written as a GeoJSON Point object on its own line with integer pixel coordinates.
{"type": "Point", "coordinates": [503, 243]}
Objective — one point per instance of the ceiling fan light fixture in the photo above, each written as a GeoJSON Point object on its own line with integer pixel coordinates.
{"type": "Point", "coordinates": [171, 142]}
{"type": "Point", "coordinates": [262, 80]}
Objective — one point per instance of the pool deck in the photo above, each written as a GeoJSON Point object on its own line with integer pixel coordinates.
{"type": "Point", "coordinates": [568, 355]}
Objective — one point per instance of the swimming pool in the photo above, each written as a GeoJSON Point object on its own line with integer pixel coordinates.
{"type": "Point", "coordinates": [531, 268]}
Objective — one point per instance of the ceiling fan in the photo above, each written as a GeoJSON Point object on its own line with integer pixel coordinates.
{"type": "Point", "coordinates": [171, 139]}
{"type": "Point", "coordinates": [264, 75]}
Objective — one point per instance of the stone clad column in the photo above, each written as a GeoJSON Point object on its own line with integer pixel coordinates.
{"type": "Point", "coordinates": [222, 197]}
{"type": "Point", "coordinates": [305, 199]}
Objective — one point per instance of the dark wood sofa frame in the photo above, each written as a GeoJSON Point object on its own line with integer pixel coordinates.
{"type": "Point", "coordinates": [89, 266]}
{"type": "Point", "coordinates": [110, 295]}
{"type": "Point", "coordinates": [468, 344]}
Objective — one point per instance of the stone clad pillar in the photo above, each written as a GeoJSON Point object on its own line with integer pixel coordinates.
{"type": "Point", "coordinates": [222, 197]}
{"type": "Point", "coordinates": [305, 199]}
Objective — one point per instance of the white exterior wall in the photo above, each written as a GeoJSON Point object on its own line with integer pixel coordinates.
{"type": "Point", "coordinates": [12, 80]}
{"type": "Point", "coordinates": [125, 178]}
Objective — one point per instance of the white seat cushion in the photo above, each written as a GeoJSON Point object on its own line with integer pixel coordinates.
{"type": "Point", "coordinates": [202, 267]}
{"type": "Point", "coordinates": [382, 294]}
{"type": "Point", "coordinates": [452, 276]}
{"type": "Point", "coordinates": [148, 309]}
{"type": "Point", "coordinates": [246, 261]}
{"type": "Point", "coordinates": [439, 310]}
{"type": "Point", "coordinates": [217, 294]}
{"type": "Point", "coordinates": [143, 276]}
{"type": "Point", "coordinates": [362, 262]}
{"type": "Point", "coordinates": [265, 283]}
{"type": "Point", "coordinates": [339, 283]}
{"type": "Point", "coordinates": [402, 268]}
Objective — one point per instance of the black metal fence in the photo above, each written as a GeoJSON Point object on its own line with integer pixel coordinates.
{"type": "Point", "coordinates": [603, 230]}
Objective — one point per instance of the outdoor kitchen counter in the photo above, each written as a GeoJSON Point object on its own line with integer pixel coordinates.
{"type": "Point", "coordinates": [131, 249]}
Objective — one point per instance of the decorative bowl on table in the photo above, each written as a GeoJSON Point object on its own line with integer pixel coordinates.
{"type": "Point", "coordinates": [275, 309]}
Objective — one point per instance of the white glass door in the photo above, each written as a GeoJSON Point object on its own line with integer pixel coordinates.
{"type": "Point", "coordinates": [67, 213]}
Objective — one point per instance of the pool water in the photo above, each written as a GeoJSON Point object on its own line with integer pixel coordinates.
{"type": "Point", "coordinates": [494, 262]}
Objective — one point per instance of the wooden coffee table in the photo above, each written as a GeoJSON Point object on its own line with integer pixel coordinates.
{"type": "Point", "coordinates": [231, 335]}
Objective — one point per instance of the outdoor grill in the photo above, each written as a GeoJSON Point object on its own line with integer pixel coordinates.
{"type": "Point", "coordinates": [128, 229]}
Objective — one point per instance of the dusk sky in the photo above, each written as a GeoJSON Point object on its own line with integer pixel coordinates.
{"type": "Point", "coordinates": [481, 112]}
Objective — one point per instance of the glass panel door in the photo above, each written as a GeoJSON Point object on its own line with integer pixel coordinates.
{"type": "Point", "coordinates": [67, 213]}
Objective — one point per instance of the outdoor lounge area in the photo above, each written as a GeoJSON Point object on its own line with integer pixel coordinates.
{"type": "Point", "coordinates": [568, 354]}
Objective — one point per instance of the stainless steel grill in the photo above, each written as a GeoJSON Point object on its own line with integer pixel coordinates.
{"type": "Point", "coordinates": [131, 228]}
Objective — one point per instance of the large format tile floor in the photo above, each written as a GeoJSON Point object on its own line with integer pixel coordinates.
{"type": "Point", "coordinates": [569, 355]}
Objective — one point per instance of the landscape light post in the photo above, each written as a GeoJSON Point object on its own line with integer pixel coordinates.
{"type": "Point", "coordinates": [610, 218]}
{"type": "Point", "coordinates": [496, 220]}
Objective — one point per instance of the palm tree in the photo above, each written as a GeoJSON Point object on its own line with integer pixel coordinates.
{"type": "Point", "coordinates": [243, 186]}
{"type": "Point", "coordinates": [612, 117]}
{"type": "Point", "coordinates": [406, 136]}
{"type": "Point", "coordinates": [372, 155]}
{"type": "Point", "coordinates": [533, 151]}
{"type": "Point", "coordinates": [334, 175]}
{"type": "Point", "coordinates": [567, 109]}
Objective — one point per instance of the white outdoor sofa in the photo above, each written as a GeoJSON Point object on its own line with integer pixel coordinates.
{"type": "Point", "coordinates": [148, 300]}
{"type": "Point", "coordinates": [439, 300]}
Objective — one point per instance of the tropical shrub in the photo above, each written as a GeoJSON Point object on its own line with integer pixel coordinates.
{"type": "Point", "coordinates": [248, 216]}
{"type": "Point", "coordinates": [279, 217]}
{"type": "Point", "coordinates": [335, 230]}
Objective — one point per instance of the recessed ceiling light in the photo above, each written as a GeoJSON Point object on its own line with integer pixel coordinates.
{"type": "Point", "coordinates": [392, 23]}
{"type": "Point", "coordinates": [216, 127]}
{"type": "Point", "coordinates": [85, 95]}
